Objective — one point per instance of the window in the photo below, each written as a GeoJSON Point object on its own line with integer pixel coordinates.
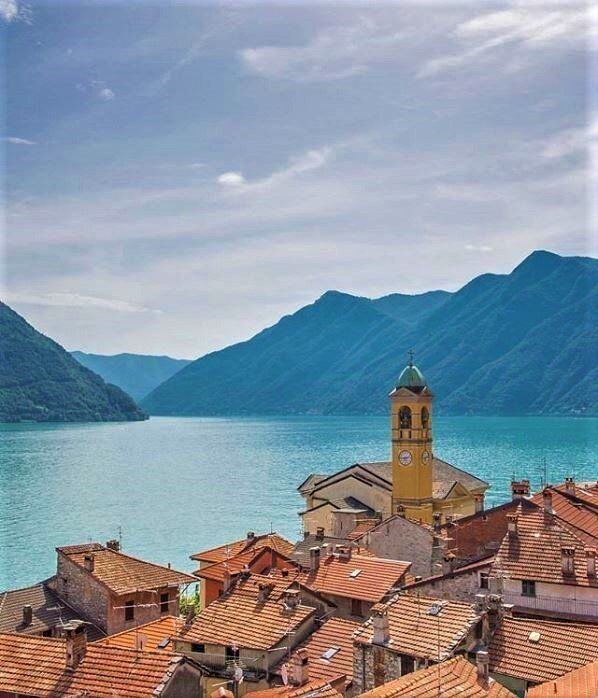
{"type": "Point", "coordinates": [164, 603]}
{"type": "Point", "coordinates": [407, 664]}
{"type": "Point", "coordinates": [356, 608]}
{"type": "Point", "coordinates": [484, 580]}
{"type": "Point", "coordinates": [130, 610]}
{"type": "Point", "coordinates": [405, 418]}
{"type": "Point", "coordinates": [528, 587]}
{"type": "Point", "coordinates": [425, 418]}
{"type": "Point", "coordinates": [198, 647]}
{"type": "Point", "coordinates": [231, 653]}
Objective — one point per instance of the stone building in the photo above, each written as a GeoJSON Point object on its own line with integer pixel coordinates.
{"type": "Point", "coordinates": [410, 633]}
{"type": "Point", "coordinates": [116, 591]}
{"type": "Point", "coordinates": [460, 583]}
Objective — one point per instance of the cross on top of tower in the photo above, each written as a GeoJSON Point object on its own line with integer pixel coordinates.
{"type": "Point", "coordinates": [410, 352]}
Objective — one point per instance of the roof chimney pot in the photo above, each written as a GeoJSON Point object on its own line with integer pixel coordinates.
{"type": "Point", "coordinates": [75, 632]}
{"type": "Point", "coordinates": [380, 624]}
{"type": "Point", "coordinates": [482, 665]}
{"type": "Point", "coordinates": [89, 562]}
{"type": "Point", "coordinates": [27, 615]}
{"type": "Point", "coordinates": [314, 559]}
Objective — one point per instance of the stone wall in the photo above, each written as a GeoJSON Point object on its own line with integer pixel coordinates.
{"type": "Point", "coordinates": [373, 665]}
{"type": "Point", "coordinates": [460, 587]}
{"type": "Point", "coordinates": [81, 591]}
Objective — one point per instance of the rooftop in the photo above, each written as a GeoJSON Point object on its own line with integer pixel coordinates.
{"type": "Point", "coordinates": [228, 550]}
{"type": "Point", "coordinates": [254, 556]}
{"type": "Point", "coordinates": [48, 611]}
{"type": "Point", "coordinates": [360, 577]}
{"type": "Point", "coordinates": [330, 650]}
{"type": "Point", "coordinates": [424, 627]}
{"type": "Point", "coordinates": [36, 666]}
{"type": "Point", "coordinates": [539, 650]}
{"type": "Point", "coordinates": [456, 678]}
{"type": "Point", "coordinates": [574, 510]}
{"type": "Point", "coordinates": [580, 683]}
{"type": "Point", "coordinates": [156, 636]}
{"type": "Point", "coordinates": [122, 573]}
{"type": "Point", "coordinates": [317, 688]}
{"type": "Point", "coordinates": [240, 618]}
{"type": "Point", "coordinates": [535, 552]}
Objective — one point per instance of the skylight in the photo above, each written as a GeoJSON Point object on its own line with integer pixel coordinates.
{"type": "Point", "coordinates": [330, 653]}
{"type": "Point", "coordinates": [163, 642]}
{"type": "Point", "coordinates": [355, 573]}
{"type": "Point", "coordinates": [534, 636]}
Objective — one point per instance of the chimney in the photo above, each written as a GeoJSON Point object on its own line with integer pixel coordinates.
{"type": "Point", "coordinates": [343, 552]}
{"type": "Point", "coordinates": [189, 615]}
{"type": "Point", "coordinates": [479, 502]}
{"type": "Point", "coordinates": [570, 485]}
{"type": "Point", "coordinates": [113, 545]}
{"type": "Point", "coordinates": [512, 525]}
{"type": "Point", "coordinates": [27, 615]}
{"type": "Point", "coordinates": [250, 535]}
{"type": "Point", "coordinates": [75, 632]}
{"type": "Point", "coordinates": [448, 563]}
{"type": "Point", "coordinates": [482, 661]}
{"type": "Point", "coordinates": [380, 624]}
{"type": "Point", "coordinates": [292, 597]}
{"type": "Point", "coordinates": [437, 521]}
{"type": "Point", "coordinates": [140, 642]}
{"type": "Point", "coordinates": [495, 611]}
{"type": "Point", "coordinates": [320, 533]}
{"type": "Point", "coordinates": [547, 500]}
{"type": "Point", "coordinates": [591, 561]}
{"type": "Point", "coordinates": [264, 591]}
{"type": "Point", "coordinates": [226, 581]}
{"type": "Point", "coordinates": [448, 518]}
{"type": "Point", "coordinates": [519, 489]}
{"type": "Point", "coordinates": [89, 562]}
{"type": "Point", "coordinates": [299, 674]}
{"type": "Point", "coordinates": [314, 559]}
{"type": "Point", "coordinates": [568, 560]}
{"type": "Point", "coordinates": [245, 572]}
{"type": "Point", "coordinates": [401, 511]}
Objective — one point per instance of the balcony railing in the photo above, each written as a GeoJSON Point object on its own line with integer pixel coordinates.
{"type": "Point", "coordinates": [580, 607]}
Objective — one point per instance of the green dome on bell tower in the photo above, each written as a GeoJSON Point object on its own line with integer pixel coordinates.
{"type": "Point", "coordinates": [411, 377]}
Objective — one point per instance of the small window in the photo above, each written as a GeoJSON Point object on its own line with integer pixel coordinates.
{"type": "Point", "coordinates": [330, 653]}
{"type": "Point", "coordinates": [164, 642]}
{"type": "Point", "coordinates": [407, 664]}
{"type": "Point", "coordinates": [425, 417]}
{"type": "Point", "coordinates": [198, 647]}
{"type": "Point", "coordinates": [130, 610]}
{"type": "Point", "coordinates": [231, 653]}
{"type": "Point", "coordinates": [484, 580]}
{"type": "Point", "coordinates": [356, 608]}
{"type": "Point", "coordinates": [164, 603]}
{"type": "Point", "coordinates": [528, 587]}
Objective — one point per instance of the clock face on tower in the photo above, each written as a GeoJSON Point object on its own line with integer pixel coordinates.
{"type": "Point", "coordinates": [425, 457]}
{"type": "Point", "coordinates": [405, 457]}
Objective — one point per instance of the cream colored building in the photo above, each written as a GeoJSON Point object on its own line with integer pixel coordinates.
{"type": "Point", "coordinates": [414, 483]}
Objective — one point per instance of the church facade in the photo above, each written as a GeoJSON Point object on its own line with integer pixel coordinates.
{"type": "Point", "coordinates": [414, 483]}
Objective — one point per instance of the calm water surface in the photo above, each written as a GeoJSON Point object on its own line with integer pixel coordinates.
{"type": "Point", "coordinates": [175, 486]}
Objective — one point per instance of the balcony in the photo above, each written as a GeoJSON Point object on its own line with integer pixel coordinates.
{"type": "Point", "coordinates": [552, 604]}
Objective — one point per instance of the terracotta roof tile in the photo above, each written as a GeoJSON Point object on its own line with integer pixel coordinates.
{"type": "Point", "coordinates": [361, 577]}
{"type": "Point", "coordinates": [154, 635]}
{"type": "Point", "coordinates": [334, 633]}
{"type": "Point", "coordinates": [560, 648]}
{"type": "Point", "coordinates": [579, 683]}
{"type": "Point", "coordinates": [48, 610]}
{"type": "Point", "coordinates": [228, 550]}
{"type": "Point", "coordinates": [575, 512]}
{"type": "Point", "coordinates": [535, 551]}
{"type": "Point", "coordinates": [249, 558]}
{"type": "Point", "coordinates": [36, 666]}
{"type": "Point", "coordinates": [240, 618]}
{"type": "Point", "coordinates": [318, 688]}
{"type": "Point", "coordinates": [122, 573]}
{"type": "Point", "coordinates": [415, 631]}
{"type": "Point", "coordinates": [362, 527]}
{"type": "Point", "coordinates": [456, 678]}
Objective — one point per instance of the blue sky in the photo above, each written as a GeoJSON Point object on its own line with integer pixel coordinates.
{"type": "Point", "coordinates": [180, 175]}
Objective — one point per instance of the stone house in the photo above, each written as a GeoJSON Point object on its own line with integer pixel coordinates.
{"type": "Point", "coordinates": [410, 633]}
{"type": "Point", "coordinates": [41, 667]}
{"type": "Point", "coordinates": [116, 591]}
{"type": "Point", "coordinates": [460, 583]}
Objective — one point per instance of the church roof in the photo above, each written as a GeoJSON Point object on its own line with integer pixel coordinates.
{"type": "Point", "coordinates": [411, 377]}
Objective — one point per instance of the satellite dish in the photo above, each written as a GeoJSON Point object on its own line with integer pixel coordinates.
{"type": "Point", "coordinates": [284, 673]}
{"type": "Point", "coordinates": [238, 675]}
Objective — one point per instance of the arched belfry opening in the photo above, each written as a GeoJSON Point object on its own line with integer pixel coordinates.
{"type": "Point", "coordinates": [405, 417]}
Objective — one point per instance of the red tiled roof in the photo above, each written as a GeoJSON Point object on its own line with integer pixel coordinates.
{"type": "Point", "coordinates": [334, 633]}
{"type": "Point", "coordinates": [456, 678]}
{"type": "Point", "coordinates": [362, 527]}
{"type": "Point", "coordinates": [560, 648]}
{"type": "Point", "coordinates": [249, 558]}
{"type": "Point", "coordinates": [361, 577]}
{"type": "Point", "coordinates": [318, 688]}
{"type": "Point", "coordinates": [122, 573]}
{"type": "Point", "coordinates": [36, 666]}
{"type": "Point", "coordinates": [535, 551]}
{"type": "Point", "coordinates": [579, 683]}
{"type": "Point", "coordinates": [417, 632]}
{"type": "Point", "coordinates": [575, 512]}
{"type": "Point", "coordinates": [154, 634]}
{"type": "Point", "coordinates": [228, 550]}
{"type": "Point", "coordinates": [239, 618]}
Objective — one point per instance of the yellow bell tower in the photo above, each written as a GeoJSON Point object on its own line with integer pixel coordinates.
{"type": "Point", "coordinates": [411, 415]}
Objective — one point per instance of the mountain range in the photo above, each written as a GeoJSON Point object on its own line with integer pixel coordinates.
{"type": "Point", "coordinates": [41, 382]}
{"type": "Point", "coordinates": [518, 343]}
{"type": "Point", "coordinates": [136, 374]}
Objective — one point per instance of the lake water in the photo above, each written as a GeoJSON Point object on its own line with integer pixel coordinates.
{"type": "Point", "coordinates": [177, 486]}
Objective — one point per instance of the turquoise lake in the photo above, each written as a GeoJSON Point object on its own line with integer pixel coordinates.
{"type": "Point", "coordinates": [177, 486]}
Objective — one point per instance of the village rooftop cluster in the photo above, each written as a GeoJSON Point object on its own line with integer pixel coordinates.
{"type": "Point", "coordinates": [403, 585]}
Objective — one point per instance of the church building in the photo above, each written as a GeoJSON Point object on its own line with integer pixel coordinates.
{"type": "Point", "coordinates": [414, 483]}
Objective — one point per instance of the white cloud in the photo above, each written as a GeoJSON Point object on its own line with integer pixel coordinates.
{"type": "Point", "coordinates": [13, 11]}
{"type": "Point", "coordinates": [19, 141]}
{"type": "Point", "coordinates": [521, 28]}
{"type": "Point", "coordinates": [231, 179]}
{"type": "Point", "coordinates": [571, 141]}
{"type": "Point", "coordinates": [106, 94]}
{"type": "Point", "coordinates": [75, 300]}
{"type": "Point", "coordinates": [479, 248]}
{"type": "Point", "coordinates": [333, 54]}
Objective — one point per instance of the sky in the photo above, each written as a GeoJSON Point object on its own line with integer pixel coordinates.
{"type": "Point", "coordinates": [178, 176]}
